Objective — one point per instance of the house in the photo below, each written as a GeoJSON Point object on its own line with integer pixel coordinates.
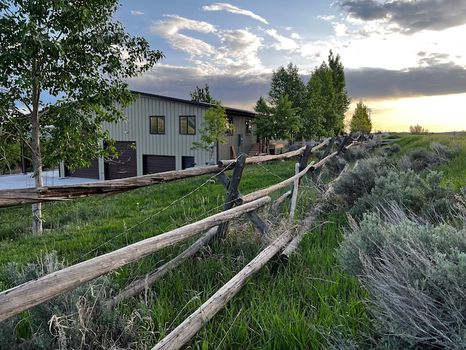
{"type": "Point", "coordinates": [157, 136]}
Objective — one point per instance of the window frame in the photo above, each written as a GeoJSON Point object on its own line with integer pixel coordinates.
{"type": "Point", "coordinates": [157, 124]}
{"type": "Point", "coordinates": [187, 125]}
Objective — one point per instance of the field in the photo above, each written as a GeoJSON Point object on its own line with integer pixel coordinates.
{"type": "Point", "coordinates": [298, 305]}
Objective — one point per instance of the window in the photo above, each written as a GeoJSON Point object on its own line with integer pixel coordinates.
{"type": "Point", "coordinates": [157, 125]}
{"type": "Point", "coordinates": [187, 124]}
{"type": "Point", "coordinates": [248, 126]}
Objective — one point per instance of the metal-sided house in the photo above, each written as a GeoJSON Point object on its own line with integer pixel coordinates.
{"type": "Point", "coordinates": [158, 134]}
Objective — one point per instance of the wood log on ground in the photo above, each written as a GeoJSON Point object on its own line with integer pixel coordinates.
{"type": "Point", "coordinates": [29, 294]}
{"type": "Point", "coordinates": [190, 326]}
{"type": "Point", "coordinates": [140, 285]}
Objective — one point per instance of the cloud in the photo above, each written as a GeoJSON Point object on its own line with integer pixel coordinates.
{"type": "Point", "coordinates": [438, 79]}
{"type": "Point", "coordinates": [366, 83]}
{"type": "Point", "coordinates": [137, 13]}
{"type": "Point", "coordinates": [282, 42]}
{"type": "Point", "coordinates": [410, 16]}
{"type": "Point", "coordinates": [221, 6]}
{"type": "Point", "coordinates": [239, 51]}
{"type": "Point", "coordinates": [240, 91]}
{"type": "Point", "coordinates": [170, 27]}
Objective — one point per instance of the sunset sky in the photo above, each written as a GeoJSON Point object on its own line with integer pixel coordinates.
{"type": "Point", "coordinates": [406, 59]}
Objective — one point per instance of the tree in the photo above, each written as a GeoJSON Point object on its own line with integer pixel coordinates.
{"type": "Point", "coordinates": [418, 130]}
{"type": "Point", "coordinates": [277, 122]}
{"type": "Point", "coordinates": [263, 122]}
{"type": "Point", "coordinates": [202, 95]}
{"type": "Point", "coordinates": [320, 117]}
{"type": "Point", "coordinates": [66, 63]}
{"type": "Point", "coordinates": [342, 101]}
{"type": "Point", "coordinates": [287, 81]}
{"type": "Point", "coordinates": [361, 120]}
{"type": "Point", "coordinates": [213, 129]}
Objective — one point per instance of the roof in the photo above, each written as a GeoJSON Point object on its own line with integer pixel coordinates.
{"type": "Point", "coordinates": [229, 110]}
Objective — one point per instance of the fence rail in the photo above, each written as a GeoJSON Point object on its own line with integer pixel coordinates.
{"type": "Point", "coordinates": [20, 298]}
{"type": "Point", "coordinates": [16, 197]}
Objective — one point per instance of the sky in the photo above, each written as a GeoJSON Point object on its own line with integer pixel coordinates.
{"type": "Point", "coordinates": [405, 59]}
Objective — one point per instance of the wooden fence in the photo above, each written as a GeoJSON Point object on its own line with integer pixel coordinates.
{"type": "Point", "coordinates": [20, 298]}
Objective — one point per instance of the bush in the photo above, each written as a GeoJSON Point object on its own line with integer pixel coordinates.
{"type": "Point", "coordinates": [408, 190]}
{"type": "Point", "coordinates": [74, 320]}
{"type": "Point", "coordinates": [355, 153]}
{"type": "Point", "coordinates": [360, 180]}
{"type": "Point", "coordinates": [418, 130]}
{"type": "Point", "coordinates": [415, 274]}
{"type": "Point", "coordinates": [420, 159]}
{"type": "Point", "coordinates": [392, 149]}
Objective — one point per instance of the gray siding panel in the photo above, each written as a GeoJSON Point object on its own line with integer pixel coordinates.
{"type": "Point", "coordinates": [136, 127]}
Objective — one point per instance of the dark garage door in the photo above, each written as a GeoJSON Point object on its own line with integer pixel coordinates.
{"type": "Point", "coordinates": [157, 164]}
{"type": "Point", "coordinates": [123, 166]}
{"type": "Point", "coordinates": [89, 173]}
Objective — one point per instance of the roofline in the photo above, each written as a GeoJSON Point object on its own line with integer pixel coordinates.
{"type": "Point", "coordinates": [241, 112]}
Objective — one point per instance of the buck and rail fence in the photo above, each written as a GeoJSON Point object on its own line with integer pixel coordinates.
{"type": "Point", "coordinates": [27, 295]}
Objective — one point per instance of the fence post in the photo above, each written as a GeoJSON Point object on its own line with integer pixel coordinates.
{"type": "Point", "coordinates": [294, 196]}
{"type": "Point", "coordinates": [253, 216]}
{"type": "Point", "coordinates": [232, 193]}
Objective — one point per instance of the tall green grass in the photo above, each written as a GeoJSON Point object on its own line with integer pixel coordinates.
{"type": "Point", "coordinates": [292, 306]}
{"type": "Point", "coordinates": [455, 170]}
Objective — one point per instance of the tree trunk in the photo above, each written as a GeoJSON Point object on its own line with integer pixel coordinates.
{"type": "Point", "coordinates": [36, 158]}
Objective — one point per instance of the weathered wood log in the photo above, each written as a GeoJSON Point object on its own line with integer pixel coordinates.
{"type": "Point", "coordinates": [29, 294]}
{"type": "Point", "coordinates": [310, 219]}
{"type": "Point", "coordinates": [138, 286]}
{"type": "Point", "coordinates": [294, 196]}
{"type": "Point", "coordinates": [262, 159]}
{"type": "Point", "coordinates": [233, 192]}
{"type": "Point", "coordinates": [280, 200]}
{"type": "Point", "coordinates": [266, 191]}
{"type": "Point", "coordinates": [22, 196]}
{"type": "Point", "coordinates": [55, 193]}
{"type": "Point", "coordinates": [253, 216]}
{"type": "Point", "coordinates": [190, 326]}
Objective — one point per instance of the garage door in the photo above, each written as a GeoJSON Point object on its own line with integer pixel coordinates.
{"type": "Point", "coordinates": [156, 164]}
{"type": "Point", "coordinates": [91, 172]}
{"type": "Point", "coordinates": [123, 166]}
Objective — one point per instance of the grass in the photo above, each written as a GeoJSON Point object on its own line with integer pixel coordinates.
{"type": "Point", "coordinates": [295, 306]}
{"type": "Point", "coordinates": [292, 306]}
{"type": "Point", "coordinates": [455, 170]}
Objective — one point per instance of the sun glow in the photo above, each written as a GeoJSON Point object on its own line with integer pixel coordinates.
{"type": "Point", "coordinates": [436, 113]}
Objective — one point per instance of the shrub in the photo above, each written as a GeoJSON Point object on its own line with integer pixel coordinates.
{"type": "Point", "coordinates": [418, 130]}
{"type": "Point", "coordinates": [408, 190]}
{"type": "Point", "coordinates": [392, 149]}
{"type": "Point", "coordinates": [415, 274]}
{"type": "Point", "coordinates": [74, 320]}
{"type": "Point", "coordinates": [355, 153]}
{"type": "Point", "coordinates": [360, 180]}
{"type": "Point", "coordinates": [420, 159]}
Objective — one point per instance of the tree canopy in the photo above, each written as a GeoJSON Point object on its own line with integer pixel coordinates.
{"type": "Point", "coordinates": [361, 120]}
{"type": "Point", "coordinates": [65, 63]}
{"type": "Point", "coordinates": [320, 105]}
{"type": "Point", "coordinates": [202, 95]}
{"type": "Point", "coordinates": [214, 128]}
